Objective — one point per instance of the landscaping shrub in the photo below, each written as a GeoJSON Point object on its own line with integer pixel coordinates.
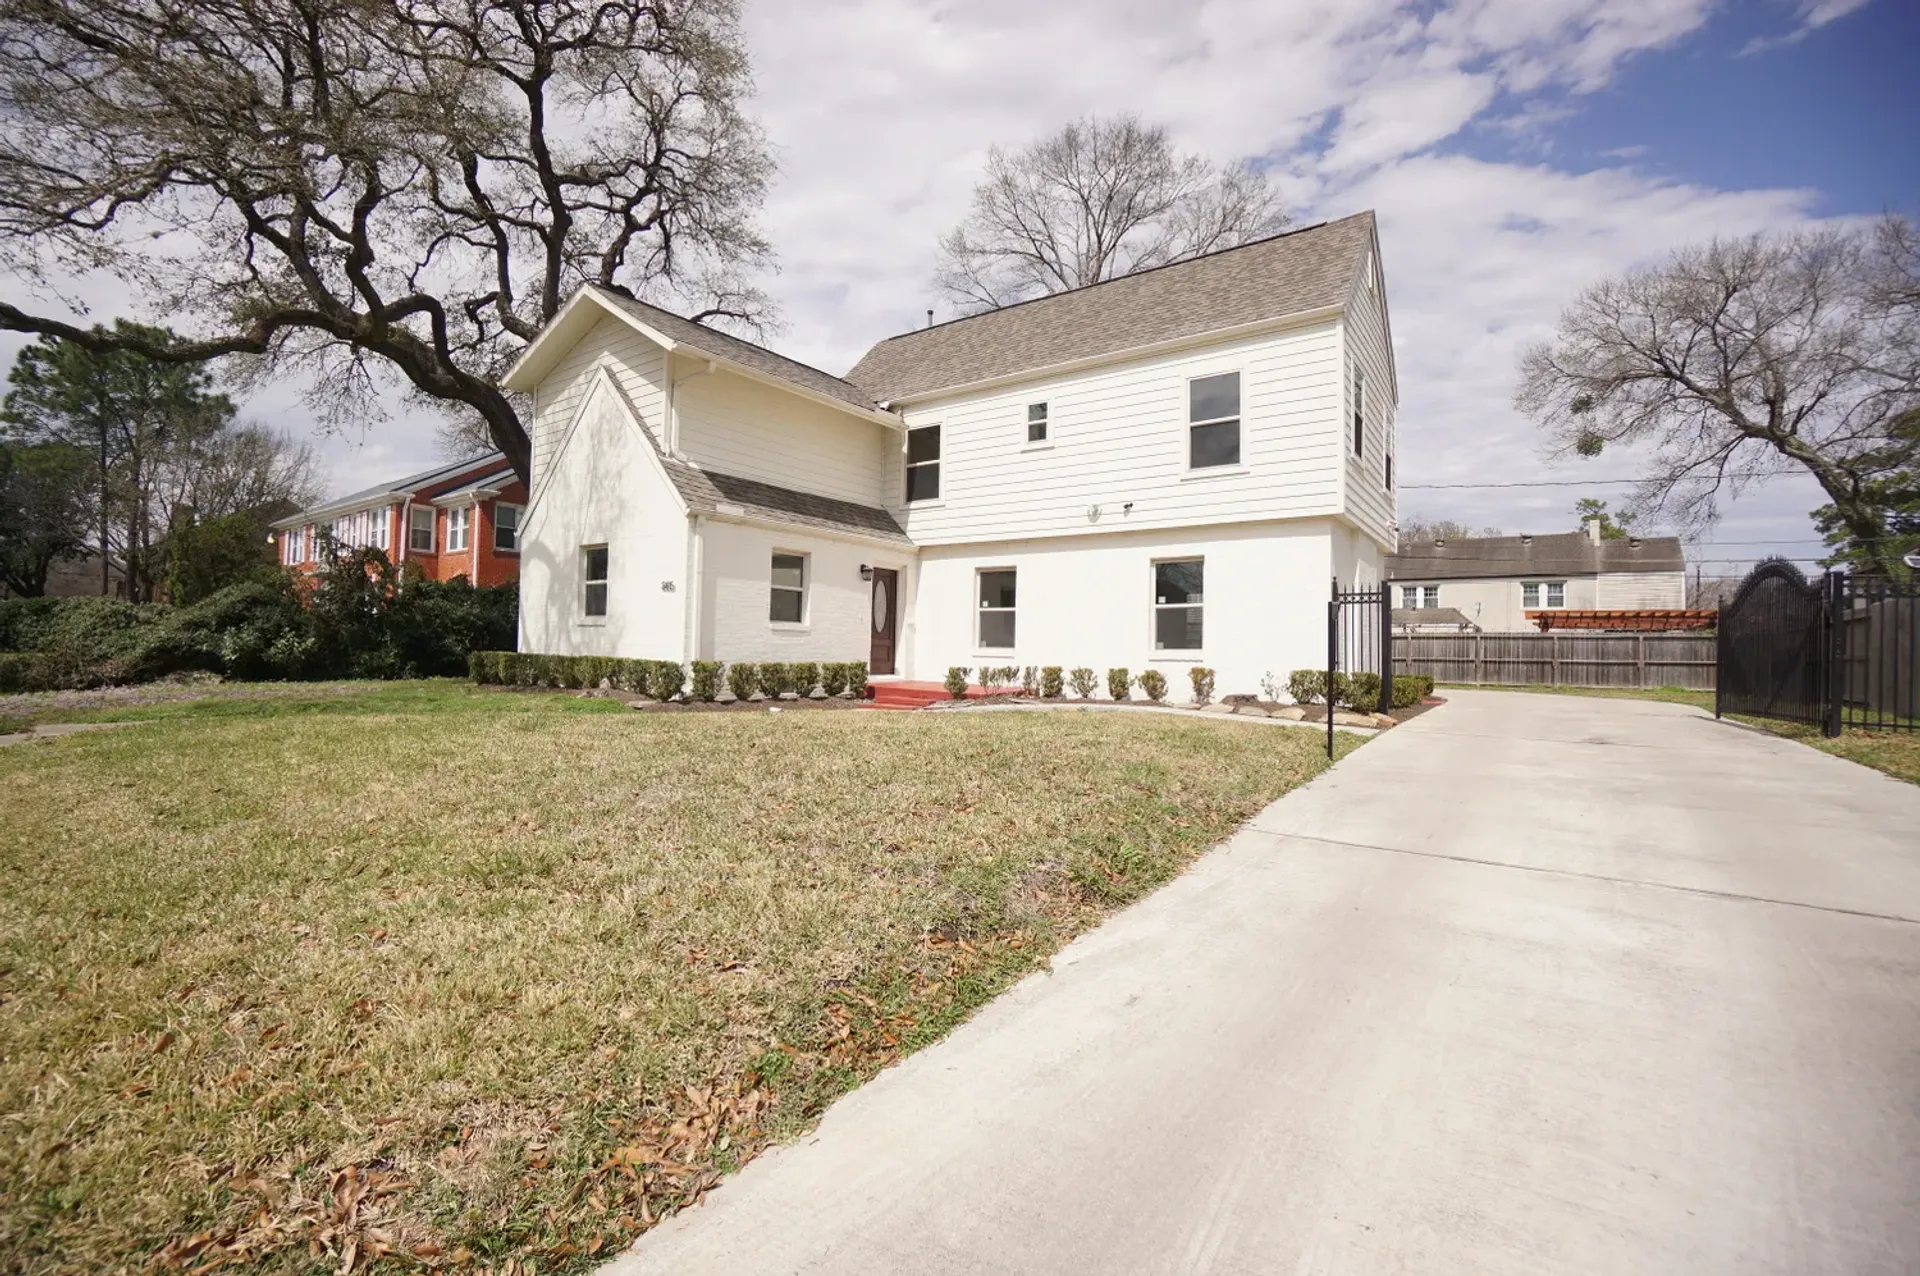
{"type": "Point", "coordinates": [993, 676]}
{"type": "Point", "coordinates": [1202, 679]}
{"type": "Point", "coordinates": [857, 679]}
{"type": "Point", "coordinates": [1051, 682]}
{"type": "Point", "coordinates": [1362, 692]}
{"type": "Point", "coordinates": [1154, 683]}
{"type": "Point", "coordinates": [833, 678]}
{"type": "Point", "coordinates": [1030, 681]}
{"type": "Point", "coordinates": [775, 678]}
{"type": "Point", "coordinates": [806, 676]}
{"type": "Point", "coordinates": [1120, 684]}
{"type": "Point", "coordinates": [743, 678]}
{"type": "Point", "coordinates": [956, 682]}
{"type": "Point", "coordinates": [1309, 686]}
{"type": "Point", "coordinates": [1084, 682]}
{"type": "Point", "coordinates": [665, 679]}
{"type": "Point", "coordinates": [1409, 689]}
{"type": "Point", "coordinates": [706, 679]}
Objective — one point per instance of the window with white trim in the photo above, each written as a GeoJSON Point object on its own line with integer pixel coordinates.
{"type": "Point", "coordinates": [923, 463]}
{"type": "Point", "coordinates": [1179, 594]}
{"type": "Point", "coordinates": [1213, 421]}
{"type": "Point", "coordinates": [506, 529]}
{"type": "Point", "coordinates": [1555, 592]}
{"type": "Point", "coordinates": [382, 528]}
{"type": "Point", "coordinates": [457, 527]}
{"type": "Point", "coordinates": [1420, 596]}
{"type": "Point", "coordinates": [1359, 409]}
{"type": "Point", "coordinates": [593, 573]}
{"type": "Point", "coordinates": [787, 592]}
{"type": "Point", "coordinates": [420, 529]}
{"type": "Point", "coordinates": [1036, 423]}
{"type": "Point", "coordinates": [290, 547]}
{"type": "Point", "coordinates": [994, 629]}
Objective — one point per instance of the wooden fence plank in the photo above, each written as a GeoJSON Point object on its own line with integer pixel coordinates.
{"type": "Point", "coordinates": [1561, 659]}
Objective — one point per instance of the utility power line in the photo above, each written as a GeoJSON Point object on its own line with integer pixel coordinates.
{"type": "Point", "coordinates": [1611, 482]}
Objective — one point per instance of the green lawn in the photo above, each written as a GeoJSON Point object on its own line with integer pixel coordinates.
{"type": "Point", "coordinates": [429, 974]}
{"type": "Point", "coordinates": [1897, 753]}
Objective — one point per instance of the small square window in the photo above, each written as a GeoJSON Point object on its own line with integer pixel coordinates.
{"type": "Point", "coordinates": [594, 573]}
{"type": "Point", "coordinates": [787, 597]}
{"type": "Point", "coordinates": [923, 463]}
{"type": "Point", "coordinates": [506, 529]}
{"type": "Point", "coordinates": [1036, 423]}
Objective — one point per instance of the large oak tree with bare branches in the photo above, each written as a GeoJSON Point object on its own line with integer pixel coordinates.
{"type": "Point", "coordinates": [1745, 359]}
{"type": "Point", "coordinates": [416, 182]}
{"type": "Point", "coordinates": [1094, 201]}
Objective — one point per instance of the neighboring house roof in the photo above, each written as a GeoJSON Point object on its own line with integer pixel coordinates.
{"type": "Point", "coordinates": [491, 483]}
{"type": "Point", "coordinates": [495, 461]}
{"type": "Point", "coordinates": [1298, 271]}
{"type": "Point", "coordinates": [1561, 554]}
{"type": "Point", "coordinates": [706, 492]}
{"type": "Point", "coordinates": [1422, 617]}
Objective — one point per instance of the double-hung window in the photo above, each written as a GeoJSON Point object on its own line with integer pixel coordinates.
{"type": "Point", "coordinates": [1359, 409]}
{"type": "Point", "coordinates": [787, 597]}
{"type": "Point", "coordinates": [1213, 421]}
{"type": "Point", "coordinates": [996, 594]}
{"type": "Point", "coordinates": [1179, 593]}
{"type": "Point", "coordinates": [382, 525]}
{"type": "Point", "coordinates": [1036, 423]}
{"type": "Point", "coordinates": [506, 529]}
{"type": "Point", "coordinates": [923, 463]}
{"type": "Point", "coordinates": [1420, 596]}
{"type": "Point", "coordinates": [593, 571]}
{"type": "Point", "coordinates": [1532, 591]}
{"type": "Point", "coordinates": [420, 529]}
{"type": "Point", "coordinates": [457, 528]}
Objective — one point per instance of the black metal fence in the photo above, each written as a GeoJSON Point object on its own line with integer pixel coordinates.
{"type": "Point", "coordinates": [1835, 652]}
{"type": "Point", "coordinates": [1359, 640]}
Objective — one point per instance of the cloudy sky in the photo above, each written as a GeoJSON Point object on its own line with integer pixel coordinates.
{"type": "Point", "coordinates": [1514, 150]}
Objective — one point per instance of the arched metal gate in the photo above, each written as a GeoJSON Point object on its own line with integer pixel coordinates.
{"type": "Point", "coordinates": [1776, 647]}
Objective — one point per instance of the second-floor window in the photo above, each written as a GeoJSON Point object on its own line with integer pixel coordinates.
{"type": "Point", "coordinates": [1532, 592]}
{"type": "Point", "coordinates": [506, 529]}
{"type": "Point", "coordinates": [787, 601]}
{"type": "Point", "coordinates": [996, 622]}
{"type": "Point", "coordinates": [1420, 596]}
{"type": "Point", "coordinates": [420, 529]}
{"type": "Point", "coordinates": [1036, 423]}
{"type": "Point", "coordinates": [923, 463]}
{"type": "Point", "coordinates": [457, 528]}
{"type": "Point", "coordinates": [1213, 421]}
{"type": "Point", "coordinates": [1359, 411]}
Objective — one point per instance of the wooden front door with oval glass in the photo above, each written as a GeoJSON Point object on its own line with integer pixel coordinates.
{"type": "Point", "coordinates": [886, 619]}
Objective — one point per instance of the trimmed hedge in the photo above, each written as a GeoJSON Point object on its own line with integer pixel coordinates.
{"type": "Point", "coordinates": [1154, 683]}
{"type": "Point", "coordinates": [665, 679]}
{"type": "Point", "coordinates": [1052, 682]}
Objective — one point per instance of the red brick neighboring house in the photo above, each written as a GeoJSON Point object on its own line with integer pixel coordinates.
{"type": "Point", "coordinates": [458, 520]}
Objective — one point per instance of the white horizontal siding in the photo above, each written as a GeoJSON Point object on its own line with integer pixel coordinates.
{"type": "Point", "coordinates": [1640, 591]}
{"type": "Point", "coordinates": [1368, 502]}
{"type": "Point", "coordinates": [638, 368]}
{"type": "Point", "coordinates": [736, 425]}
{"type": "Point", "coordinates": [1119, 435]}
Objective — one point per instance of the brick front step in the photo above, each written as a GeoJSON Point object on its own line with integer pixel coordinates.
{"type": "Point", "coordinates": [918, 695]}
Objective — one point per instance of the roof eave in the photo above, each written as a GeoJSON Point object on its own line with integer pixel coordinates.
{"type": "Point", "coordinates": [1276, 323]}
{"type": "Point", "coordinates": [334, 510]}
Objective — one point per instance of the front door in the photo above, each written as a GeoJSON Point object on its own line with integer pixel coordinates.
{"type": "Point", "coordinates": [886, 616]}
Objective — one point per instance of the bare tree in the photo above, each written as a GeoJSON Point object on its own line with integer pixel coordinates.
{"type": "Point", "coordinates": [1742, 360]}
{"type": "Point", "coordinates": [1416, 528]}
{"type": "Point", "coordinates": [1097, 200]}
{"type": "Point", "coordinates": [239, 469]}
{"type": "Point", "coordinates": [415, 182]}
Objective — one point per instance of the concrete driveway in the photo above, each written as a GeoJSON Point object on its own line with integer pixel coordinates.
{"type": "Point", "coordinates": [1531, 984]}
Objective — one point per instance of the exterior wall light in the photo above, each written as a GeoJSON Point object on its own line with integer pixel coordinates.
{"type": "Point", "coordinates": [866, 571]}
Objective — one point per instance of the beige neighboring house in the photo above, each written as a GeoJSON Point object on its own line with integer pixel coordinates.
{"type": "Point", "coordinates": [1494, 581]}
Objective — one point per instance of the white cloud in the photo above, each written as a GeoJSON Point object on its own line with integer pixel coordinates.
{"type": "Point", "coordinates": [882, 112]}
{"type": "Point", "coordinates": [1809, 16]}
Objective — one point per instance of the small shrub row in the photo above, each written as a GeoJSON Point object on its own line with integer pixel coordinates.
{"type": "Point", "coordinates": [1358, 691]}
{"type": "Point", "coordinates": [665, 679]}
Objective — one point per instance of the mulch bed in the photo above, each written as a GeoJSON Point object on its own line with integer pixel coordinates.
{"type": "Point", "coordinates": [643, 705]}
{"type": "Point", "coordinates": [1314, 713]}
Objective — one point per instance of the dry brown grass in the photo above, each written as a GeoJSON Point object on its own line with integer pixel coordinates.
{"type": "Point", "coordinates": [434, 976]}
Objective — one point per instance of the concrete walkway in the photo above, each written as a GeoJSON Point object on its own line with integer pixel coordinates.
{"type": "Point", "coordinates": [1529, 985]}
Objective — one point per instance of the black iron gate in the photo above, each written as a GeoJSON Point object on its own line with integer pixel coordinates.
{"type": "Point", "coordinates": [1837, 652]}
{"type": "Point", "coordinates": [1359, 640]}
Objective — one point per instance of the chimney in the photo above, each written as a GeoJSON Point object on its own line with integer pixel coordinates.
{"type": "Point", "coordinates": [929, 318]}
{"type": "Point", "coordinates": [1592, 526]}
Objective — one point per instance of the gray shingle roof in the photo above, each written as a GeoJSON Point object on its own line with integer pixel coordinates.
{"type": "Point", "coordinates": [1297, 271]}
{"type": "Point", "coordinates": [489, 480]}
{"type": "Point", "coordinates": [1414, 617]}
{"type": "Point", "coordinates": [396, 487]}
{"type": "Point", "coordinates": [1560, 554]}
{"type": "Point", "coordinates": [725, 346]}
{"type": "Point", "coordinates": [706, 492]}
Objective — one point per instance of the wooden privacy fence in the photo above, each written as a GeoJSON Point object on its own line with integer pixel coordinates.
{"type": "Point", "coordinates": [1560, 660]}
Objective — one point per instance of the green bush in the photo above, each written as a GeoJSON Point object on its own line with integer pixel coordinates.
{"type": "Point", "coordinates": [806, 676]}
{"type": "Point", "coordinates": [833, 677]}
{"type": "Point", "coordinates": [1202, 679]}
{"type": "Point", "coordinates": [1154, 683]}
{"type": "Point", "coordinates": [666, 679]}
{"type": "Point", "coordinates": [956, 682]}
{"type": "Point", "coordinates": [1030, 681]}
{"type": "Point", "coordinates": [1051, 682]}
{"type": "Point", "coordinates": [1309, 686]}
{"type": "Point", "coordinates": [1362, 692]}
{"type": "Point", "coordinates": [706, 679]}
{"type": "Point", "coordinates": [1120, 684]}
{"type": "Point", "coordinates": [1084, 682]}
{"type": "Point", "coordinates": [775, 678]}
{"type": "Point", "coordinates": [857, 679]}
{"type": "Point", "coordinates": [743, 678]}
{"type": "Point", "coordinates": [15, 671]}
{"type": "Point", "coordinates": [1409, 689]}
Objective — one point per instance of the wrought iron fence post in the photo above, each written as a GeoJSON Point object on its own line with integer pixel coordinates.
{"type": "Point", "coordinates": [1333, 658]}
{"type": "Point", "coordinates": [1719, 659]}
{"type": "Point", "coordinates": [1835, 679]}
{"type": "Point", "coordinates": [1386, 647]}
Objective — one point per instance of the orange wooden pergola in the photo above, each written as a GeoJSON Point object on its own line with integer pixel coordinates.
{"type": "Point", "coordinates": [1652, 620]}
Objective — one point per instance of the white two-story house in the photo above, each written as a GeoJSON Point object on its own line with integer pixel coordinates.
{"type": "Point", "coordinates": [1160, 471]}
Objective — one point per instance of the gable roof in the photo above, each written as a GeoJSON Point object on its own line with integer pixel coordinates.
{"type": "Point", "coordinates": [707, 492]}
{"type": "Point", "coordinates": [487, 483]}
{"type": "Point", "coordinates": [1291, 273]}
{"type": "Point", "coordinates": [492, 461]}
{"type": "Point", "coordinates": [1558, 554]}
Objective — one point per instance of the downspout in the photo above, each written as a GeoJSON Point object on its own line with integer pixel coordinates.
{"type": "Point", "coordinates": [404, 533]}
{"type": "Point", "coordinates": [473, 542]}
